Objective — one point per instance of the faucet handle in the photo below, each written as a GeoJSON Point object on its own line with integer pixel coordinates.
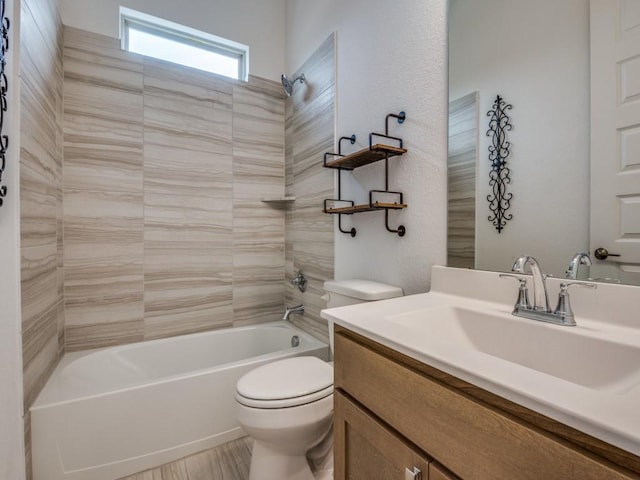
{"type": "Point", "coordinates": [564, 286]}
{"type": "Point", "coordinates": [563, 308]}
{"type": "Point", "coordinates": [523, 291]}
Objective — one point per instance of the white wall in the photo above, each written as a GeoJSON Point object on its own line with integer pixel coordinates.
{"type": "Point", "coordinates": [11, 424]}
{"type": "Point", "coordinates": [391, 56]}
{"type": "Point", "coordinates": [256, 23]}
{"type": "Point", "coordinates": [536, 56]}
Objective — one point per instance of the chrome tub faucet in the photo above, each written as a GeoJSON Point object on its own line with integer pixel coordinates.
{"type": "Point", "coordinates": [289, 310]}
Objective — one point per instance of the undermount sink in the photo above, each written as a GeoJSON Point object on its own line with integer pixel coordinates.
{"type": "Point", "coordinates": [562, 352]}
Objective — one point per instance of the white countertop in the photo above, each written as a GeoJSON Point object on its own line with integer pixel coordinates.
{"type": "Point", "coordinates": [610, 414]}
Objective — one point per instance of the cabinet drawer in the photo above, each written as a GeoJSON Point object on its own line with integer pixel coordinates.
{"type": "Point", "coordinates": [473, 440]}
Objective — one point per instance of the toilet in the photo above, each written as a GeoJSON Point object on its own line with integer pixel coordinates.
{"type": "Point", "coordinates": [287, 406]}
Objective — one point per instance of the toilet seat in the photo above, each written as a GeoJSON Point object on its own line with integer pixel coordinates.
{"type": "Point", "coordinates": [286, 383]}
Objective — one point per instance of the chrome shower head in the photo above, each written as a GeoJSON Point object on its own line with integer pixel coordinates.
{"type": "Point", "coordinates": [288, 84]}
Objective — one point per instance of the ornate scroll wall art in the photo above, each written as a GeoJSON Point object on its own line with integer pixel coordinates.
{"type": "Point", "coordinates": [4, 87]}
{"type": "Point", "coordinates": [500, 199]}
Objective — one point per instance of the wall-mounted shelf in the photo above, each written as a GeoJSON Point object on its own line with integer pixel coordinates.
{"type": "Point", "coordinates": [375, 153]}
{"type": "Point", "coordinates": [366, 208]}
{"type": "Point", "coordinates": [365, 157]}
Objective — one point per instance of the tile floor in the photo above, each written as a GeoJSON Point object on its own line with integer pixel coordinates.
{"type": "Point", "coordinates": [225, 462]}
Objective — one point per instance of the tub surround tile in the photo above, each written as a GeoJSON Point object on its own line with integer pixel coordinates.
{"type": "Point", "coordinates": [258, 229]}
{"type": "Point", "coordinates": [97, 335]}
{"type": "Point", "coordinates": [41, 199]}
{"type": "Point", "coordinates": [40, 354]}
{"type": "Point", "coordinates": [187, 142]}
{"type": "Point", "coordinates": [39, 281]}
{"type": "Point", "coordinates": [103, 114]}
{"type": "Point", "coordinates": [310, 232]}
{"type": "Point", "coordinates": [165, 167]}
{"type": "Point", "coordinates": [39, 206]}
{"type": "Point", "coordinates": [103, 249]}
{"type": "Point", "coordinates": [258, 303]}
{"type": "Point", "coordinates": [319, 70]}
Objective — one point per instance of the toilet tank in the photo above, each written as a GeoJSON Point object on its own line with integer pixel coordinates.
{"type": "Point", "coordinates": [340, 293]}
{"type": "Point", "coordinates": [349, 292]}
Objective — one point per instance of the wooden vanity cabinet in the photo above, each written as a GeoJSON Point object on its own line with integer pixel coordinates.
{"type": "Point", "coordinates": [393, 414]}
{"type": "Point", "coordinates": [375, 451]}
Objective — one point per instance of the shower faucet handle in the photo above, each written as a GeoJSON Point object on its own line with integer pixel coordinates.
{"type": "Point", "coordinates": [300, 281]}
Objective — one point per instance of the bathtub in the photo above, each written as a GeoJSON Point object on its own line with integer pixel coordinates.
{"type": "Point", "coordinates": [108, 413]}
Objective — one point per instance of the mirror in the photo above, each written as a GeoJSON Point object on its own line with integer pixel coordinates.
{"type": "Point", "coordinates": [536, 56]}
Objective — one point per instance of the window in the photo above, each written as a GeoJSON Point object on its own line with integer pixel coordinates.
{"type": "Point", "coordinates": [158, 38]}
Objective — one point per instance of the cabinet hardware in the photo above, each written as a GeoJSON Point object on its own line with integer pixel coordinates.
{"type": "Point", "coordinates": [415, 474]}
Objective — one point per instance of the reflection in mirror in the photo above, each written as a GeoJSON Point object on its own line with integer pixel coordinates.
{"type": "Point", "coordinates": [535, 55]}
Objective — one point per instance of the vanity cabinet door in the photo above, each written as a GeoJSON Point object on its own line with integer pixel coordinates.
{"type": "Point", "coordinates": [365, 449]}
{"type": "Point", "coordinates": [438, 472]}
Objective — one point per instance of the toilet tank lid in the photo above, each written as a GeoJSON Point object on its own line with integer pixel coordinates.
{"type": "Point", "coordinates": [363, 289]}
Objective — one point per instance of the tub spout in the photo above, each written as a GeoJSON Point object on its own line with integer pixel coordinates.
{"type": "Point", "coordinates": [289, 310]}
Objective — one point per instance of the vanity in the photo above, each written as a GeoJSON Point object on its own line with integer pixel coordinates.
{"type": "Point", "coordinates": [450, 385]}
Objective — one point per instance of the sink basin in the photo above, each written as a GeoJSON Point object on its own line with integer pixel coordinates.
{"type": "Point", "coordinates": [563, 352]}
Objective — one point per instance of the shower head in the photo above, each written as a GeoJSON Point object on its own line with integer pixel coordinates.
{"type": "Point", "coordinates": [288, 84]}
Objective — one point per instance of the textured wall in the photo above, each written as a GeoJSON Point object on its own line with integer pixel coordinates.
{"type": "Point", "coordinates": [309, 134]}
{"type": "Point", "coordinates": [391, 56]}
{"type": "Point", "coordinates": [40, 197]}
{"type": "Point", "coordinates": [165, 166]}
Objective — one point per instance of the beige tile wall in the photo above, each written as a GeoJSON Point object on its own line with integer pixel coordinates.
{"type": "Point", "coordinates": [309, 234]}
{"type": "Point", "coordinates": [40, 198]}
{"type": "Point", "coordinates": [165, 167]}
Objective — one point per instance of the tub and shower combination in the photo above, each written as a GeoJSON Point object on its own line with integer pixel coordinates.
{"type": "Point", "coordinates": [111, 412]}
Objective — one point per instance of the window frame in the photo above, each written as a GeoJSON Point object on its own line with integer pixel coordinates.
{"type": "Point", "coordinates": [186, 35]}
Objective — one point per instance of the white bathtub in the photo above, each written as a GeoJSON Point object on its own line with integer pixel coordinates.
{"type": "Point", "coordinates": [108, 413]}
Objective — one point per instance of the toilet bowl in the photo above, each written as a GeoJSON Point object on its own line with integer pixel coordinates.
{"type": "Point", "coordinates": [287, 406]}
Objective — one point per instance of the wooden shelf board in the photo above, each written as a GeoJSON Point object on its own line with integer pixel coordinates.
{"type": "Point", "coordinates": [365, 157]}
{"type": "Point", "coordinates": [367, 208]}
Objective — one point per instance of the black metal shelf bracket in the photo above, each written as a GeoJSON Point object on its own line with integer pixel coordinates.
{"type": "Point", "coordinates": [400, 230]}
{"type": "Point", "coordinates": [4, 89]}
{"type": "Point", "coordinates": [351, 139]}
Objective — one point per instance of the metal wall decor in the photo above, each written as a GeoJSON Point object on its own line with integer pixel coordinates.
{"type": "Point", "coordinates": [499, 177]}
{"type": "Point", "coordinates": [4, 87]}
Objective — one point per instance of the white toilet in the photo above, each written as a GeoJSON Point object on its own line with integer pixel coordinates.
{"type": "Point", "coordinates": [287, 406]}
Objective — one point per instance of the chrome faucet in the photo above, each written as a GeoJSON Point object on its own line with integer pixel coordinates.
{"type": "Point", "coordinates": [578, 259]}
{"type": "Point", "coordinates": [562, 315]}
{"type": "Point", "coordinates": [540, 298]}
{"type": "Point", "coordinates": [289, 310]}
